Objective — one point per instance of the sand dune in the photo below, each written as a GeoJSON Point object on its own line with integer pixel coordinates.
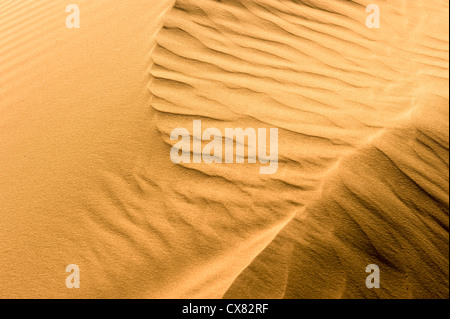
{"type": "Point", "coordinates": [86, 177]}
{"type": "Point", "coordinates": [391, 196]}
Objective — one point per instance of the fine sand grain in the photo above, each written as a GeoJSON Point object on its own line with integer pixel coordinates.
{"type": "Point", "coordinates": [86, 176]}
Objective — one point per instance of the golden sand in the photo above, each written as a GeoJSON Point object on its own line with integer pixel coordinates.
{"type": "Point", "coordinates": [86, 176]}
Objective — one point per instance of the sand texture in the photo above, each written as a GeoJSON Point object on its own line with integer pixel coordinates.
{"type": "Point", "coordinates": [86, 176]}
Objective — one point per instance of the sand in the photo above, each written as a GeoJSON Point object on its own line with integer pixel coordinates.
{"type": "Point", "coordinates": [86, 176]}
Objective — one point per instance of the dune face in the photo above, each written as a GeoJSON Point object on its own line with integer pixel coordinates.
{"type": "Point", "coordinates": [88, 131]}
{"type": "Point", "coordinates": [384, 196]}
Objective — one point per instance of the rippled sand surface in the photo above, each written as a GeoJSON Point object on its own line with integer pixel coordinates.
{"type": "Point", "coordinates": [85, 171]}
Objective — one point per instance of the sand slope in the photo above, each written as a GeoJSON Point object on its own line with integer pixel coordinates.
{"type": "Point", "coordinates": [333, 87]}
{"type": "Point", "coordinates": [75, 129]}
{"type": "Point", "coordinates": [86, 177]}
{"type": "Point", "coordinates": [386, 205]}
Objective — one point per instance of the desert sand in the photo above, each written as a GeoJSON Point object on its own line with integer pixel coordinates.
{"type": "Point", "coordinates": [86, 177]}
